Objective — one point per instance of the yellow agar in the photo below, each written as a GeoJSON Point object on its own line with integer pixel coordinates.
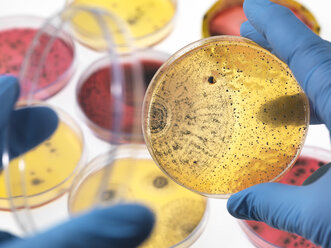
{"type": "Point", "coordinates": [225, 116]}
{"type": "Point", "coordinates": [47, 166]}
{"type": "Point", "coordinates": [178, 211]}
{"type": "Point", "coordinates": [147, 21]}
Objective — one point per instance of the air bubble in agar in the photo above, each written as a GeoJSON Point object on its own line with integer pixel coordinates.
{"type": "Point", "coordinates": [245, 128]}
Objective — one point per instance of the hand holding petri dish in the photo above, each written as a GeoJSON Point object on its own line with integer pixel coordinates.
{"type": "Point", "coordinates": [263, 235]}
{"type": "Point", "coordinates": [223, 114]}
{"type": "Point", "coordinates": [226, 16]}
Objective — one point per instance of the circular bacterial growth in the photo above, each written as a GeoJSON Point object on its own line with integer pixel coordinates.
{"type": "Point", "coordinates": [261, 234]}
{"type": "Point", "coordinates": [179, 212]}
{"type": "Point", "coordinates": [96, 101]}
{"type": "Point", "coordinates": [223, 114]}
{"type": "Point", "coordinates": [226, 16]}
{"type": "Point", "coordinates": [149, 21]}
{"type": "Point", "coordinates": [15, 39]}
{"type": "Point", "coordinates": [49, 167]}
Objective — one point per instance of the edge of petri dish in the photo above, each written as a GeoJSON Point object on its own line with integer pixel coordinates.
{"type": "Point", "coordinates": [100, 132]}
{"type": "Point", "coordinates": [221, 5]}
{"type": "Point", "coordinates": [188, 48]}
{"type": "Point", "coordinates": [307, 151]}
{"type": "Point", "coordinates": [77, 130]}
{"type": "Point", "coordinates": [36, 22]}
{"type": "Point", "coordinates": [140, 152]}
{"type": "Point", "coordinates": [167, 28]}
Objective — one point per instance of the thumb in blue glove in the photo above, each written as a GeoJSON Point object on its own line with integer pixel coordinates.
{"type": "Point", "coordinates": [303, 210]}
{"type": "Point", "coordinates": [122, 226]}
{"type": "Point", "coordinates": [25, 128]}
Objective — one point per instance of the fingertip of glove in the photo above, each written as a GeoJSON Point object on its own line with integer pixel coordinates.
{"type": "Point", "coordinates": [237, 206]}
{"type": "Point", "coordinates": [9, 86]}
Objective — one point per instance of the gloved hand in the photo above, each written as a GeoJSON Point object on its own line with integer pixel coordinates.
{"type": "Point", "coordinates": [305, 210]}
{"type": "Point", "coordinates": [122, 226]}
{"type": "Point", "coordinates": [21, 130]}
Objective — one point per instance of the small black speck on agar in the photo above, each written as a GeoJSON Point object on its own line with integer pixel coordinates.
{"type": "Point", "coordinates": [240, 121]}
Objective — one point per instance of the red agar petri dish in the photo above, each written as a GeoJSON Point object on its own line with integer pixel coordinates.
{"type": "Point", "coordinates": [226, 16]}
{"type": "Point", "coordinates": [264, 236]}
{"type": "Point", "coordinates": [16, 35]}
{"type": "Point", "coordinates": [95, 100]}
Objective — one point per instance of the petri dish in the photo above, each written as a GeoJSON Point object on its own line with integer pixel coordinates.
{"type": "Point", "coordinates": [226, 16]}
{"type": "Point", "coordinates": [16, 35]}
{"type": "Point", "coordinates": [94, 96]}
{"type": "Point", "coordinates": [181, 215]}
{"type": "Point", "coordinates": [264, 236]}
{"type": "Point", "coordinates": [149, 21]}
{"type": "Point", "coordinates": [49, 167]}
{"type": "Point", "coordinates": [223, 114]}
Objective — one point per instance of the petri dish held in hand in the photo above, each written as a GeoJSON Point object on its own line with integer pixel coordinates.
{"type": "Point", "coordinates": [226, 16]}
{"type": "Point", "coordinates": [223, 114]}
{"type": "Point", "coordinates": [49, 167]}
{"type": "Point", "coordinates": [263, 235]}
{"type": "Point", "coordinates": [96, 101]}
{"type": "Point", "coordinates": [16, 35]}
{"type": "Point", "coordinates": [132, 176]}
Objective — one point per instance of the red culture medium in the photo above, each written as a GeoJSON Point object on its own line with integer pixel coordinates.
{"type": "Point", "coordinates": [96, 102]}
{"type": "Point", "coordinates": [14, 44]}
{"type": "Point", "coordinates": [228, 21]}
{"type": "Point", "coordinates": [302, 169]}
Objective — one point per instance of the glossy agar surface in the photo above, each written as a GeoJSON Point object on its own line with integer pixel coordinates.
{"type": "Point", "coordinates": [224, 115]}
{"type": "Point", "coordinates": [148, 20]}
{"type": "Point", "coordinates": [95, 100]}
{"type": "Point", "coordinates": [226, 16]}
{"type": "Point", "coordinates": [259, 231]}
{"type": "Point", "coordinates": [178, 211]}
{"type": "Point", "coordinates": [47, 166]}
{"type": "Point", "coordinates": [14, 44]}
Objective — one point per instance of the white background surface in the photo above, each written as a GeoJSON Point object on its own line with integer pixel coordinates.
{"type": "Point", "coordinates": [222, 230]}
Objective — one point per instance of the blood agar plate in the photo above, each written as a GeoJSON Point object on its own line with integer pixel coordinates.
{"type": "Point", "coordinates": [149, 21]}
{"type": "Point", "coordinates": [226, 16]}
{"type": "Point", "coordinates": [49, 167]}
{"type": "Point", "coordinates": [264, 236]}
{"type": "Point", "coordinates": [224, 114]}
{"type": "Point", "coordinates": [180, 213]}
{"type": "Point", "coordinates": [16, 35]}
{"type": "Point", "coordinates": [95, 99]}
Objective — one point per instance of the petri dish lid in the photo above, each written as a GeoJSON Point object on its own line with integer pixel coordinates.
{"type": "Point", "coordinates": [226, 16]}
{"type": "Point", "coordinates": [223, 114]}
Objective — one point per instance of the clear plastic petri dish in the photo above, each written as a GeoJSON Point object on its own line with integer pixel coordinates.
{"type": "Point", "coordinates": [95, 101]}
{"type": "Point", "coordinates": [226, 16]}
{"type": "Point", "coordinates": [149, 21]}
{"type": "Point", "coordinates": [181, 215]}
{"type": "Point", "coordinates": [49, 167]}
{"type": "Point", "coordinates": [223, 114]}
{"type": "Point", "coordinates": [16, 35]}
{"type": "Point", "coordinates": [264, 236]}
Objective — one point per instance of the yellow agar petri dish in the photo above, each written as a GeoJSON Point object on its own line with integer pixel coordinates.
{"type": "Point", "coordinates": [226, 16]}
{"type": "Point", "coordinates": [49, 167]}
{"type": "Point", "coordinates": [180, 213]}
{"type": "Point", "coordinates": [148, 21]}
{"type": "Point", "coordinates": [223, 114]}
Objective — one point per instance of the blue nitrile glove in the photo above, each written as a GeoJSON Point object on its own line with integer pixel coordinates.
{"type": "Point", "coordinates": [305, 210]}
{"type": "Point", "coordinates": [122, 226]}
{"type": "Point", "coordinates": [27, 127]}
